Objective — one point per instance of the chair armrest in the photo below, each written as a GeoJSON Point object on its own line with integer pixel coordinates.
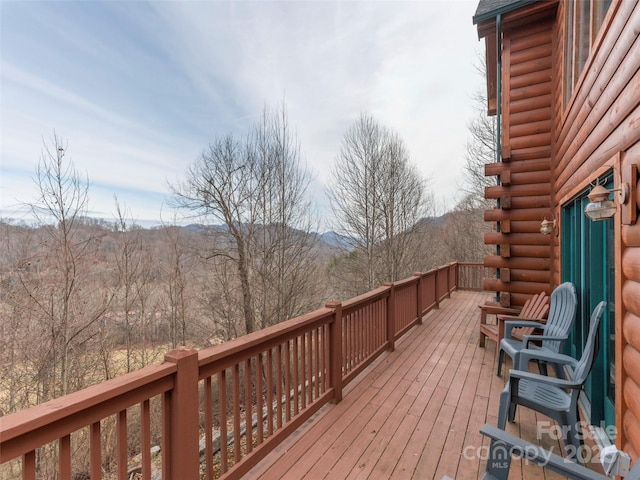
{"type": "Point", "coordinates": [529, 354]}
{"type": "Point", "coordinates": [532, 338]}
{"type": "Point", "coordinates": [516, 375]}
{"type": "Point", "coordinates": [511, 324]}
{"type": "Point", "coordinates": [498, 309]}
{"type": "Point", "coordinates": [535, 454]}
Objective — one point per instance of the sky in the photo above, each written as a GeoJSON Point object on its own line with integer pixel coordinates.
{"type": "Point", "coordinates": [136, 90]}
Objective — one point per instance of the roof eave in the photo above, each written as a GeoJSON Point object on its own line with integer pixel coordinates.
{"type": "Point", "coordinates": [483, 17]}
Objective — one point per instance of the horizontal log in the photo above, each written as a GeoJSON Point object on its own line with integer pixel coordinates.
{"type": "Point", "coordinates": [527, 116]}
{"type": "Point", "coordinates": [536, 140]}
{"type": "Point", "coordinates": [533, 214]}
{"type": "Point", "coordinates": [533, 34]}
{"type": "Point", "coordinates": [536, 276]}
{"type": "Point", "coordinates": [631, 296]}
{"type": "Point", "coordinates": [631, 426]}
{"type": "Point", "coordinates": [528, 91]}
{"type": "Point", "coordinates": [543, 176]}
{"type": "Point", "coordinates": [494, 261]}
{"type": "Point", "coordinates": [631, 392]}
{"type": "Point", "coordinates": [530, 79]}
{"type": "Point", "coordinates": [527, 104]}
{"type": "Point", "coordinates": [603, 74]}
{"type": "Point", "coordinates": [535, 65]}
{"type": "Point", "coordinates": [631, 263]}
{"type": "Point", "coordinates": [496, 238]}
{"type": "Point", "coordinates": [631, 235]}
{"type": "Point", "coordinates": [529, 29]}
{"type": "Point", "coordinates": [525, 227]}
{"type": "Point", "coordinates": [533, 153]}
{"type": "Point", "coordinates": [616, 131]}
{"type": "Point", "coordinates": [533, 52]}
{"type": "Point", "coordinates": [631, 330]}
{"type": "Point", "coordinates": [543, 164]}
{"type": "Point", "coordinates": [631, 362]}
{"type": "Point", "coordinates": [532, 128]}
{"type": "Point", "coordinates": [530, 190]}
{"type": "Point", "coordinates": [529, 288]}
{"type": "Point", "coordinates": [540, 201]}
{"type": "Point", "coordinates": [531, 251]}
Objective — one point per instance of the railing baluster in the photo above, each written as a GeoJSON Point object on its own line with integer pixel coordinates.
{"type": "Point", "coordinates": [95, 447]}
{"type": "Point", "coordinates": [269, 392]}
{"type": "Point", "coordinates": [296, 376]}
{"type": "Point", "coordinates": [259, 405]}
{"type": "Point", "coordinates": [287, 380]}
{"type": "Point", "coordinates": [145, 427]}
{"type": "Point", "coordinates": [303, 370]}
{"type": "Point", "coordinates": [123, 457]}
{"type": "Point", "coordinates": [309, 367]}
{"type": "Point", "coordinates": [236, 413]}
{"type": "Point", "coordinates": [222, 395]}
{"type": "Point", "coordinates": [279, 387]}
{"type": "Point", "coordinates": [64, 457]}
{"type": "Point", "coordinates": [248, 402]}
{"type": "Point", "coordinates": [29, 466]}
{"type": "Point", "coordinates": [316, 334]}
{"type": "Point", "coordinates": [208, 428]}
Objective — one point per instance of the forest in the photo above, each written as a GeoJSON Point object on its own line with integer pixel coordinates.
{"type": "Point", "coordinates": [84, 300]}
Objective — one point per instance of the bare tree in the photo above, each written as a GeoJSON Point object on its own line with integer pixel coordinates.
{"type": "Point", "coordinates": [378, 197]}
{"type": "Point", "coordinates": [64, 307]}
{"type": "Point", "coordinates": [256, 188]}
{"type": "Point", "coordinates": [481, 149]}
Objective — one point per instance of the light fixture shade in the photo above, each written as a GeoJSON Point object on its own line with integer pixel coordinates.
{"type": "Point", "coordinates": [601, 210]}
{"type": "Point", "coordinates": [547, 226]}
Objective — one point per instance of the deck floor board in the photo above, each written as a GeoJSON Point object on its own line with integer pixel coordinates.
{"type": "Point", "coordinates": [414, 414]}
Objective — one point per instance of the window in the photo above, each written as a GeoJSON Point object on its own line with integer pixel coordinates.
{"type": "Point", "coordinates": [583, 20]}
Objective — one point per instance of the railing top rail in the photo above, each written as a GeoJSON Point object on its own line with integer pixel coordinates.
{"type": "Point", "coordinates": [265, 338]}
{"type": "Point", "coordinates": [92, 403]}
{"type": "Point", "coordinates": [368, 297]}
{"type": "Point", "coordinates": [406, 281]}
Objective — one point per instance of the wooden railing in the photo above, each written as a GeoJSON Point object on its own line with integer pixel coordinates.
{"type": "Point", "coordinates": [219, 411]}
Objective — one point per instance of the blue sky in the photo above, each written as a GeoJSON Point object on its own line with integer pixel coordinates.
{"type": "Point", "coordinates": [138, 89]}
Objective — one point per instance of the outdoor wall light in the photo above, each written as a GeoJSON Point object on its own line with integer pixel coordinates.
{"type": "Point", "coordinates": [600, 207]}
{"type": "Point", "coordinates": [547, 226]}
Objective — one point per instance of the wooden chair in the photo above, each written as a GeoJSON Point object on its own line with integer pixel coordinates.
{"type": "Point", "coordinates": [536, 309]}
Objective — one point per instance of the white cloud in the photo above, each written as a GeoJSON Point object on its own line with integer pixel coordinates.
{"type": "Point", "coordinates": [140, 89]}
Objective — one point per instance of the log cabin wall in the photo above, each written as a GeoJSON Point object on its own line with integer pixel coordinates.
{"type": "Point", "coordinates": [524, 174]}
{"type": "Point", "coordinates": [599, 130]}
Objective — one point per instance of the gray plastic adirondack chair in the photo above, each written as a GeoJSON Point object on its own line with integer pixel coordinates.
{"type": "Point", "coordinates": [555, 331]}
{"type": "Point", "coordinates": [503, 445]}
{"type": "Point", "coordinates": [557, 398]}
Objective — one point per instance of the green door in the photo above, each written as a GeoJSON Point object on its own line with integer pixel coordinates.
{"type": "Point", "coordinates": [588, 261]}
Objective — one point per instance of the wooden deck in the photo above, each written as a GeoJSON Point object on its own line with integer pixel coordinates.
{"type": "Point", "coordinates": [414, 414]}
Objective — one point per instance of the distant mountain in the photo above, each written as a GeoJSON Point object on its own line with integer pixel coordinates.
{"type": "Point", "coordinates": [335, 240]}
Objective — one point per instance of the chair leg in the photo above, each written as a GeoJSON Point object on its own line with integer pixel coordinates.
{"type": "Point", "coordinates": [500, 360]}
{"type": "Point", "coordinates": [499, 461]}
{"type": "Point", "coordinates": [503, 409]}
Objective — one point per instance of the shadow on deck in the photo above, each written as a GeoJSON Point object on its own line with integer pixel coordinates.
{"type": "Point", "coordinates": [414, 414]}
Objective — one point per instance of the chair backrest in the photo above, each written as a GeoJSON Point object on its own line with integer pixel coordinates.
{"type": "Point", "coordinates": [535, 307]}
{"type": "Point", "coordinates": [564, 303]}
{"type": "Point", "coordinates": [591, 348]}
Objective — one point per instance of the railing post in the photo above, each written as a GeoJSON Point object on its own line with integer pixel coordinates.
{"type": "Point", "coordinates": [335, 355]}
{"type": "Point", "coordinates": [391, 316]}
{"type": "Point", "coordinates": [419, 296]}
{"type": "Point", "coordinates": [184, 456]}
